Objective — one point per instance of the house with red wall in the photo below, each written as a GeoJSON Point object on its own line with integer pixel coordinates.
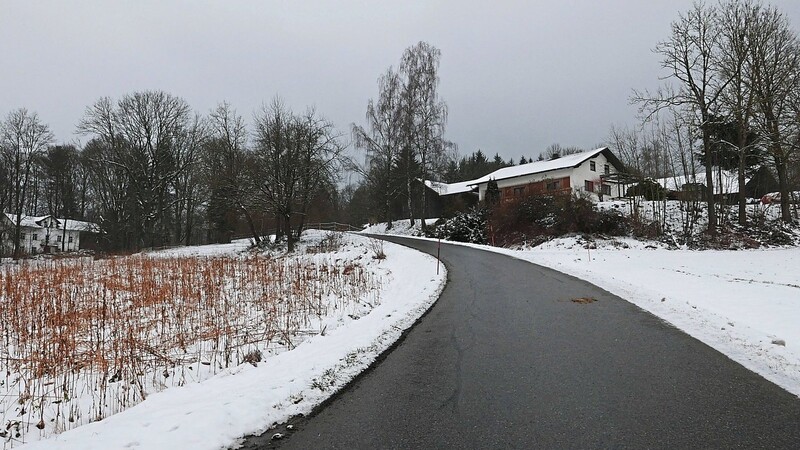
{"type": "Point", "coordinates": [589, 172]}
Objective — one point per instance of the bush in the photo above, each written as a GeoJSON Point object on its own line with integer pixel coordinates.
{"type": "Point", "coordinates": [467, 226]}
{"type": "Point", "coordinates": [536, 218]}
{"type": "Point", "coordinates": [647, 188]}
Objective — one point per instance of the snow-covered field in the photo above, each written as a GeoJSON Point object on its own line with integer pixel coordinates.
{"type": "Point", "coordinates": [212, 412]}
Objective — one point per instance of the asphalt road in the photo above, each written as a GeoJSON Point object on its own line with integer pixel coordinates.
{"type": "Point", "coordinates": [506, 359]}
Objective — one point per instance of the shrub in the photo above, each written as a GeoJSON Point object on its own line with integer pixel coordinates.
{"type": "Point", "coordinates": [376, 245]}
{"type": "Point", "coordinates": [647, 188]}
{"type": "Point", "coordinates": [536, 218]}
{"type": "Point", "coordinates": [469, 226]}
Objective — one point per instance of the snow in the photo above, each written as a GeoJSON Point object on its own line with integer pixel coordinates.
{"type": "Point", "coordinates": [236, 246]}
{"type": "Point", "coordinates": [400, 227]}
{"type": "Point", "coordinates": [248, 399]}
{"type": "Point", "coordinates": [537, 167]}
{"type": "Point", "coordinates": [33, 222]}
{"type": "Point", "coordinates": [729, 184]}
{"type": "Point", "coordinates": [25, 221]}
{"type": "Point", "coordinates": [745, 304]}
{"type": "Point", "coordinates": [449, 188]}
{"type": "Point", "coordinates": [738, 302]}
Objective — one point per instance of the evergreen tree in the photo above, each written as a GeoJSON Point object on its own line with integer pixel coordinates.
{"type": "Point", "coordinates": [492, 192]}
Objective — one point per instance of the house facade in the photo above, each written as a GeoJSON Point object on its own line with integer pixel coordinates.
{"type": "Point", "coordinates": [43, 234]}
{"type": "Point", "coordinates": [588, 172]}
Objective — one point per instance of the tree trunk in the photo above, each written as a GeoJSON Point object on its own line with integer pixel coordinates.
{"type": "Point", "coordinates": [17, 231]}
{"type": "Point", "coordinates": [424, 193]}
{"type": "Point", "coordinates": [742, 193]}
{"type": "Point", "coordinates": [249, 219]}
{"type": "Point", "coordinates": [387, 214]}
{"type": "Point", "coordinates": [287, 220]}
{"type": "Point", "coordinates": [783, 183]}
{"type": "Point", "coordinates": [410, 201]}
{"type": "Point", "coordinates": [189, 223]}
{"type": "Point", "coordinates": [301, 225]}
{"type": "Point", "coordinates": [712, 213]}
{"type": "Point", "coordinates": [64, 235]}
{"type": "Point", "coordinates": [742, 160]}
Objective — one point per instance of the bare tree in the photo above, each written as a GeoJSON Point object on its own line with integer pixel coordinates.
{"type": "Point", "coordinates": [275, 173]}
{"type": "Point", "coordinates": [625, 142]}
{"type": "Point", "coordinates": [294, 156]}
{"type": "Point", "coordinates": [737, 22]}
{"type": "Point", "coordinates": [24, 138]}
{"type": "Point", "coordinates": [225, 163]}
{"type": "Point", "coordinates": [60, 167]}
{"type": "Point", "coordinates": [185, 184]}
{"type": "Point", "coordinates": [775, 72]}
{"type": "Point", "coordinates": [425, 116]}
{"type": "Point", "coordinates": [321, 156]}
{"type": "Point", "coordinates": [382, 141]}
{"type": "Point", "coordinates": [150, 137]}
{"type": "Point", "coordinates": [556, 150]}
{"type": "Point", "coordinates": [690, 56]}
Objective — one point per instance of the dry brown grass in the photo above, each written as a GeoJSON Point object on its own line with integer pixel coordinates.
{"type": "Point", "coordinates": [114, 330]}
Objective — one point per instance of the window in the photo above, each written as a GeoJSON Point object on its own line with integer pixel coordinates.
{"type": "Point", "coordinates": [35, 237]}
{"type": "Point", "coordinates": [69, 239]}
{"type": "Point", "coordinates": [606, 169]}
{"type": "Point", "coordinates": [58, 238]}
{"type": "Point", "coordinates": [553, 185]}
{"type": "Point", "coordinates": [519, 191]}
{"type": "Point", "coordinates": [22, 236]}
{"type": "Point", "coordinates": [592, 166]}
{"type": "Point", "coordinates": [606, 188]}
{"type": "Point", "coordinates": [588, 186]}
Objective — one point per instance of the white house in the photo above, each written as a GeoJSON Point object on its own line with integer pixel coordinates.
{"type": "Point", "coordinates": [43, 234]}
{"type": "Point", "coordinates": [590, 172]}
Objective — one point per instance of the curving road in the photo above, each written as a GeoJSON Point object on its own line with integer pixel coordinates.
{"type": "Point", "coordinates": [505, 359]}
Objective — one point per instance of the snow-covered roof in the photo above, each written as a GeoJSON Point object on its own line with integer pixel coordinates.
{"type": "Point", "coordinates": [449, 188]}
{"type": "Point", "coordinates": [729, 181]}
{"type": "Point", "coordinates": [80, 225]}
{"type": "Point", "coordinates": [26, 221]}
{"type": "Point", "coordinates": [538, 167]}
{"type": "Point", "coordinates": [36, 222]}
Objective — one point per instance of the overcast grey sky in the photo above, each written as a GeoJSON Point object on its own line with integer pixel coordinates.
{"type": "Point", "coordinates": [516, 75]}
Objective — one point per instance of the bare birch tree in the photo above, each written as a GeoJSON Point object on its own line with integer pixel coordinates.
{"type": "Point", "coordinates": [382, 142]}
{"type": "Point", "coordinates": [425, 117]}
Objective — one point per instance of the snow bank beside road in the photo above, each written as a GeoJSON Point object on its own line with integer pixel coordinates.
{"type": "Point", "coordinates": [745, 304]}
{"type": "Point", "coordinates": [215, 413]}
{"type": "Point", "coordinates": [399, 227]}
